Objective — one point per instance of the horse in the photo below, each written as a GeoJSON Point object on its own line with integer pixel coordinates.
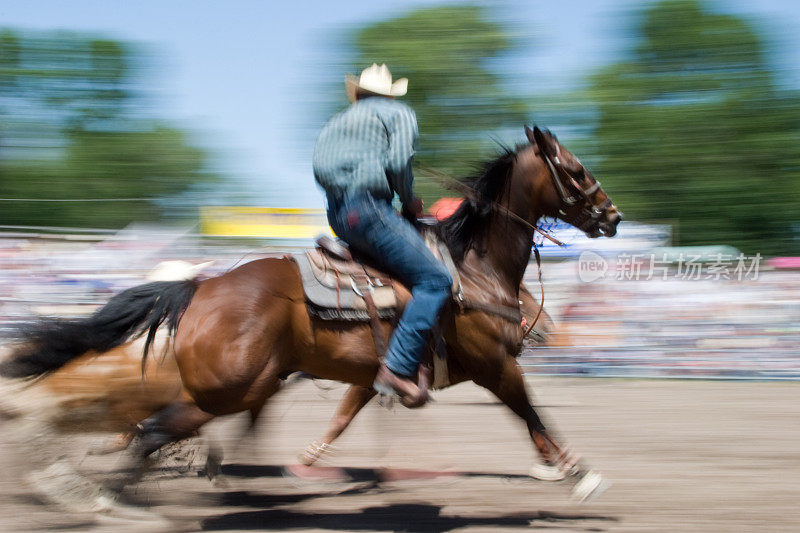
{"type": "Point", "coordinates": [536, 326]}
{"type": "Point", "coordinates": [236, 335]}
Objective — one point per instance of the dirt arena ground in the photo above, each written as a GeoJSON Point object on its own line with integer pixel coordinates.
{"type": "Point", "coordinates": [681, 456]}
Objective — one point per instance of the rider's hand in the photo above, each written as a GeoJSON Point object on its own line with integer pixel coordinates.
{"type": "Point", "coordinates": [412, 211]}
{"type": "Point", "coordinates": [415, 208]}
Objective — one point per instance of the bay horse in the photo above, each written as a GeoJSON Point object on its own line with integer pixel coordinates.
{"type": "Point", "coordinates": [237, 334]}
{"type": "Point", "coordinates": [536, 327]}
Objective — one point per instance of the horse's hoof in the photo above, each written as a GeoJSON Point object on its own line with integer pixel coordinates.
{"type": "Point", "coordinates": [314, 452]}
{"type": "Point", "coordinates": [590, 486]}
{"type": "Point", "coordinates": [111, 511]}
{"type": "Point", "coordinates": [213, 466]}
{"type": "Point", "coordinates": [60, 484]}
{"type": "Point", "coordinates": [546, 472]}
{"type": "Point", "coordinates": [220, 482]}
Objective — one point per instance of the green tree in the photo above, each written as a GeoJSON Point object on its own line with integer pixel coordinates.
{"type": "Point", "coordinates": [71, 127]}
{"type": "Point", "coordinates": [445, 52]}
{"type": "Point", "coordinates": [693, 128]}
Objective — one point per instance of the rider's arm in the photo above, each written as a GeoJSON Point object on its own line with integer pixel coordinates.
{"type": "Point", "coordinates": [402, 131]}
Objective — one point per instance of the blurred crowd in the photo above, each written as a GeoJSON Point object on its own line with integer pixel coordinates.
{"type": "Point", "coordinates": [671, 327]}
{"type": "Point", "coordinates": [690, 120]}
{"type": "Point", "coordinates": [611, 326]}
{"type": "Point", "coordinates": [70, 275]}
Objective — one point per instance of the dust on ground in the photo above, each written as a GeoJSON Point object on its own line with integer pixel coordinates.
{"type": "Point", "coordinates": [681, 456]}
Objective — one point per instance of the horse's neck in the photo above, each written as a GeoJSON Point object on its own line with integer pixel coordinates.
{"type": "Point", "coordinates": [499, 264]}
{"type": "Point", "coordinates": [509, 239]}
{"type": "Point", "coordinates": [508, 248]}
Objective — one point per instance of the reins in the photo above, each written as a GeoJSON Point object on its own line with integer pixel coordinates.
{"type": "Point", "coordinates": [584, 219]}
{"type": "Point", "coordinates": [541, 287]}
{"type": "Point", "coordinates": [450, 182]}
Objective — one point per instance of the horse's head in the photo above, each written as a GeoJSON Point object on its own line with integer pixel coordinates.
{"type": "Point", "coordinates": [568, 190]}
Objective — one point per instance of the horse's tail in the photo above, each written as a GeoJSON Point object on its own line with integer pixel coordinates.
{"type": "Point", "coordinates": [50, 344]}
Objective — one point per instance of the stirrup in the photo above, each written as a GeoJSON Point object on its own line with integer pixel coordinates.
{"type": "Point", "coordinates": [388, 395]}
{"type": "Point", "coordinates": [387, 391]}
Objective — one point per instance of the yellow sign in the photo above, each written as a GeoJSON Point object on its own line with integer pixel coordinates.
{"type": "Point", "coordinates": [267, 222]}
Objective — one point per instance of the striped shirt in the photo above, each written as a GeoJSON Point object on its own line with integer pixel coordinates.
{"type": "Point", "coordinates": [368, 147]}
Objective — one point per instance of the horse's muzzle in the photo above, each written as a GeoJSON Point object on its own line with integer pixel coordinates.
{"type": "Point", "coordinates": [607, 226]}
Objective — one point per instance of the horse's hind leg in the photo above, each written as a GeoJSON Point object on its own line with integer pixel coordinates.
{"type": "Point", "coordinates": [117, 443]}
{"type": "Point", "coordinates": [351, 403]}
{"type": "Point", "coordinates": [177, 421]}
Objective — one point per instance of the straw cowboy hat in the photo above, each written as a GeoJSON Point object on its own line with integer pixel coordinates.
{"type": "Point", "coordinates": [374, 80]}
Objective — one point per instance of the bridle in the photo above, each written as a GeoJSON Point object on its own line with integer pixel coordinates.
{"type": "Point", "coordinates": [587, 217]}
{"type": "Point", "coordinates": [584, 220]}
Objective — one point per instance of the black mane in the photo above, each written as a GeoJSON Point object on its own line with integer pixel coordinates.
{"type": "Point", "coordinates": [464, 229]}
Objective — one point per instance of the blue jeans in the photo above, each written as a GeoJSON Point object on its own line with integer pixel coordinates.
{"type": "Point", "coordinates": [372, 228]}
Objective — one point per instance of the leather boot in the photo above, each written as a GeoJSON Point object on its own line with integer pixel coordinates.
{"type": "Point", "coordinates": [387, 382]}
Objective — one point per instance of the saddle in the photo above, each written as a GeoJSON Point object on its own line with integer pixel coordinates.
{"type": "Point", "coordinates": [338, 286]}
{"type": "Point", "coordinates": [335, 284]}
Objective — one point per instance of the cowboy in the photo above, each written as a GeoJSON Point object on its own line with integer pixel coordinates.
{"type": "Point", "coordinates": [362, 159]}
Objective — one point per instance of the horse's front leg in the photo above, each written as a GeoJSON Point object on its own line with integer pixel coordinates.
{"type": "Point", "coordinates": [351, 403]}
{"type": "Point", "coordinates": [509, 386]}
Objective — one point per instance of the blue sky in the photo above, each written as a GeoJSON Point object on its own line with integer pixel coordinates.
{"type": "Point", "coordinates": [246, 75]}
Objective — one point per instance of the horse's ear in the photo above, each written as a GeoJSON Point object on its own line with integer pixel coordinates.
{"type": "Point", "coordinates": [529, 135]}
{"type": "Point", "coordinates": [541, 140]}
